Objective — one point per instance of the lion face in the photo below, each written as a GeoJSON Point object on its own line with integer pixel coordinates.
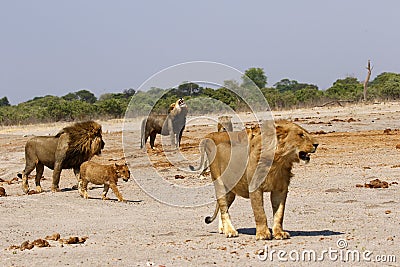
{"type": "Point", "coordinates": [97, 145]}
{"type": "Point", "coordinates": [123, 172]}
{"type": "Point", "coordinates": [180, 103]}
{"type": "Point", "coordinates": [177, 106]}
{"type": "Point", "coordinates": [295, 141]}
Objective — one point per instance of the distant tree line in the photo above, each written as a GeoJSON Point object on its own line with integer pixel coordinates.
{"type": "Point", "coordinates": [285, 94]}
{"type": "Point", "coordinates": [81, 105]}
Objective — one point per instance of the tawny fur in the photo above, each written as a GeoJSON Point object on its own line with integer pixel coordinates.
{"type": "Point", "coordinates": [107, 175]}
{"type": "Point", "coordinates": [215, 138]}
{"type": "Point", "coordinates": [172, 124]}
{"type": "Point", "coordinates": [268, 169]}
{"type": "Point", "coordinates": [67, 150]}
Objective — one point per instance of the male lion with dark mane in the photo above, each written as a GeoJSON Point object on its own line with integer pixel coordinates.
{"type": "Point", "coordinates": [72, 146]}
{"type": "Point", "coordinates": [248, 167]}
{"type": "Point", "coordinates": [172, 124]}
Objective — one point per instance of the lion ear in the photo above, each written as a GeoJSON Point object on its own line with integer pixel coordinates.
{"type": "Point", "coordinates": [281, 132]}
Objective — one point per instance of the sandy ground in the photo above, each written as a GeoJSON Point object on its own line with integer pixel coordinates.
{"type": "Point", "coordinates": [324, 205]}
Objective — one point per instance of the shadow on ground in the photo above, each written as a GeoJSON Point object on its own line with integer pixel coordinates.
{"type": "Point", "coordinates": [252, 231]}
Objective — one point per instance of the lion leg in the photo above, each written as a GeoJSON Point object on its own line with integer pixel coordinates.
{"type": "Point", "coordinates": [144, 135]}
{"type": "Point", "coordinates": [116, 192]}
{"type": "Point", "coordinates": [230, 197]}
{"type": "Point", "coordinates": [77, 175]}
{"type": "Point", "coordinates": [39, 173]}
{"type": "Point", "coordinates": [278, 200]}
{"type": "Point", "coordinates": [179, 137]}
{"type": "Point", "coordinates": [105, 190]}
{"type": "Point", "coordinates": [220, 225]}
{"type": "Point", "coordinates": [144, 140]}
{"type": "Point", "coordinates": [28, 169]}
{"type": "Point", "coordinates": [171, 132]}
{"type": "Point", "coordinates": [56, 177]}
{"type": "Point", "coordinates": [152, 139]}
{"type": "Point", "coordinates": [257, 204]}
{"type": "Point", "coordinates": [227, 226]}
{"type": "Point", "coordinates": [82, 188]}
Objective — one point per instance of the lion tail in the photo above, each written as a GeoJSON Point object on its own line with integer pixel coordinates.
{"type": "Point", "coordinates": [209, 219]}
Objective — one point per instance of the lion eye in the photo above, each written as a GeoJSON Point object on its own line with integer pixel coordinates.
{"type": "Point", "coordinates": [301, 135]}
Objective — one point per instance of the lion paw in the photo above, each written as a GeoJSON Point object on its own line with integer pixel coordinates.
{"type": "Point", "coordinates": [263, 235]}
{"type": "Point", "coordinates": [25, 188]}
{"type": "Point", "coordinates": [39, 189]}
{"type": "Point", "coordinates": [281, 235]}
{"type": "Point", "coordinates": [55, 189]}
{"type": "Point", "coordinates": [231, 233]}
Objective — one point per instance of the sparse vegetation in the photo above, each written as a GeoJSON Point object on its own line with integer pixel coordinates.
{"type": "Point", "coordinates": [287, 93]}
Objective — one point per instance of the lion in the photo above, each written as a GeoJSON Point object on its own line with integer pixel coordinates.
{"type": "Point", "coordinates": [224, 124]}
{"type": "Point", "coordinates": [235, 137]}
{"type": "Point", "coordinates": [270, 159]}
{"type": "Point", "coordinates": [72, 146]}
{"type": "Point", "coordinates": [172, 124]}
{"type": "Point", "coordinates": [98, 174]}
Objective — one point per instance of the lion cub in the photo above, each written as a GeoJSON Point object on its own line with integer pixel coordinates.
{"type": "Point", "coordinates": [102, 174]}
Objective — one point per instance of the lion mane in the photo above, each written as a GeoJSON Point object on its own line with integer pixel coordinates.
{"type": "Point", "coordinates": [84, 142]}
{"type": "Point", "coordinates": [68, 149]}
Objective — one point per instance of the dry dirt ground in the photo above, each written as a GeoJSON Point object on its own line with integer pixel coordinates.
{"type": "Point", "coordinates": [324, 205]}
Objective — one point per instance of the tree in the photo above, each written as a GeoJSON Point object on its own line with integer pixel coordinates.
{"type": "Point", "coordinates": [292, 85]}
{"type": "Point", "coordinates": [272, 96]}
{"type": "Point", "coordinates": [71, 97]}
{"type": "Point", "coordinates": [391, 89]}
{"type": "Point", "coordinates": [4, 102]}
{"type": "Point", "coordinates": [308, 95]}
{"type": "Point", "coordinates": [85, 95]}
{"type": "Point", "coordinates": [106, 96]}
{"type": "Point", "coordinates": [188, 89]}
{"type": "Point", "coordinates": [232, 85]}
{"type": "Point", "coordinates": [382, 78]}
{"type": "Point", "coordinates": [112, 107]}
{"type": "Point", "coordinates": [387, 85]}
{"type": "Point", "coordinates": [285, 85]}
{"type": "Point", "coordinates": [345, 89]}
{"type": "Point", "coordinates": [129, 92]}
{"type": "Point", "coordinates": [257, 75]}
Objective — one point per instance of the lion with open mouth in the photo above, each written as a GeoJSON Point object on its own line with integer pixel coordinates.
{"type": "Point", "coordinates": [172, 124]}
{"type": "Point", "coordinates": [252, 166]}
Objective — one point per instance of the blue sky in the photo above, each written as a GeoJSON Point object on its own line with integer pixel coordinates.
{"type": "Point", "coordinates": [56, 47]}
